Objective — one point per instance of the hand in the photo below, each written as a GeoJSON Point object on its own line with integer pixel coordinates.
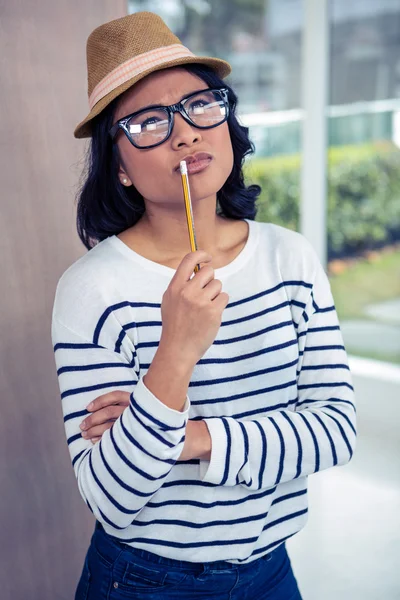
{"type": "Point", "coordinates": [106, 409]}
{"type": "Point", "coordinates": [191, 309]}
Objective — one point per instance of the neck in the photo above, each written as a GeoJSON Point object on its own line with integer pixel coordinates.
{"type": "Point", "coordinates": [166, 229]}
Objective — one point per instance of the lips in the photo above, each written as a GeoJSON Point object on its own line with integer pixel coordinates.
{"type": "Point", "coordinates": [191, 159]}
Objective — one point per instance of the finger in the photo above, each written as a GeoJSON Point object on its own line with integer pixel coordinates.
{"type": "Point", "coordinates": [114, 397]}
{"type": "Point", "coordinates": [186, 267]}
{"type": "Point", "coordinates": [103, 415]}
{"type": "Point", "coordinates": [95, 439]}
{"type": "Point", "coordinates": [202, 277]}
{"type": "Point", "coordinates": [97, 431]}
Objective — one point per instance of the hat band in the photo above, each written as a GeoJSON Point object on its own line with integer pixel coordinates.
{"type": "Point", "coordinates": [135, 66]}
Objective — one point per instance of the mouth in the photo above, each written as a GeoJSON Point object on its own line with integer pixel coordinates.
{"type": "Point", "coordinates": [196, 163]}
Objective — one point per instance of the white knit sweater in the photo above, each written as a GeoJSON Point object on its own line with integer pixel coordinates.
{"type": "Point", "coordinates": [274, 389]}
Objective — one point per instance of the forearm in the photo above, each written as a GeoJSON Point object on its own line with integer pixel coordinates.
{"type": "Point", "coordinates": [168, 377]}
{"type": "Point", "coordinates": [265, 452]}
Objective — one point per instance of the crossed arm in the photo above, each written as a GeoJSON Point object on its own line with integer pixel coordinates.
{"type": "Point", "coordinates": [107, 408]}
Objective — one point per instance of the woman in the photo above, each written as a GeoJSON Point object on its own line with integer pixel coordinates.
{"type": "Point", "coordinates": [195, 404]}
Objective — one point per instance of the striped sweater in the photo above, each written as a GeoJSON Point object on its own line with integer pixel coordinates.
{"type": "Point", "coordinates": [274, 389]}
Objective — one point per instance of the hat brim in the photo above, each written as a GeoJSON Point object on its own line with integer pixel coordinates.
{"type": "Point", "coordinates": [221, 67]}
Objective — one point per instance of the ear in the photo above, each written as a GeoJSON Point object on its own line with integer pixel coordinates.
{"type": "Point", "coordinates": [123, 177]}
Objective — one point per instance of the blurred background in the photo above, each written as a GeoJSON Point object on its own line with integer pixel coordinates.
{"type": "Point", "coordinates": [319, 87]}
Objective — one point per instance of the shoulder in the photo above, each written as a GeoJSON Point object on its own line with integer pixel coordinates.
{"type": "Point", "coordinates": [81, 287]}
{"type": "Point", "coordinates": [291, 251]}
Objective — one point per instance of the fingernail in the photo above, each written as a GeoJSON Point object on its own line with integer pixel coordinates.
{"type": "Point", "coordinates": [89, 406]}
{"type": "Point", "coordinates": [83, 425]}
{"type": "Point", "coordinates": [84, 434]}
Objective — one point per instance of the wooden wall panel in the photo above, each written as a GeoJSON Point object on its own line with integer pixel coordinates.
{"type": "Point", "coordinates": [44, 524]}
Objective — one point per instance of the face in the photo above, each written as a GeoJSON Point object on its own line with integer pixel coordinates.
{"type": "Point", "coordinates": [152, 171]}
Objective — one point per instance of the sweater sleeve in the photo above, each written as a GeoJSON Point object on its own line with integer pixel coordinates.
{"type": "Point", "coordinates": [118, 475]}
{"type": "Point", "coordinates": [320, 432]}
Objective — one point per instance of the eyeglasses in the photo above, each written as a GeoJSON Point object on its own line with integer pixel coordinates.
{"type": "Point", "coordinates": [153, 125]}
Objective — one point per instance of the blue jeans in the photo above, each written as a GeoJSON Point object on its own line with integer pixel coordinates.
{"type": "Point", "coordinates": [115, 571]}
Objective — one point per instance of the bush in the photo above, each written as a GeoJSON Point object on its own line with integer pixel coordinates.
{"type": "Point", "coordinates": [363, 195]}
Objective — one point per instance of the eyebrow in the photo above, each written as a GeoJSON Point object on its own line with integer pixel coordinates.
{"type": "Point", "coordinates": [163, 105]}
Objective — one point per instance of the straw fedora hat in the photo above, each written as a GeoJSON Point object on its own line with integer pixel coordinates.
{"type": "Point", "coordinates": [121, 52]}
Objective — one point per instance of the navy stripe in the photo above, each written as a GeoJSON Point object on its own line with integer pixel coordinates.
{"type": "Point", "coordinates": [118, 343]}
{"type": "Point", "coordinates": [218, 542]}
{"type": "Point", "coordinates": [257, 411]}
{"type": "Point", "coordinates": [138, 445]}
{"type": "Point", "coordinates": [192, 525]}
{"type": "Point", "coordinates": [93, 367]}
{"type": "Point", "coordinates": [310, 429]}
{"type": "Point", "coordinates": [327, 328]}
{"type": "Point", "coordinates": [342, 431]}
{"type": "Point", "coordinates": [107, 520]}
{"type": "Point", "coordinates": [334, 455]}
{"type": "Point", "coordinates": [344, 417]}
{"type": "Point", "coordinates": [153, 432]}
{"type": "Point", "coordinates": [297, 303]}
{"type": "Point", "coordinates": [326, 385]}
{"type": "Point", "coordinates": [241, 338]}
{"type": "Point", "coordinates": [256, 315]}
{"type": "Point", "coordinates": [73, 438]}
{"type": "Point", "coordinates": [263, 454]}
{"type": "Point", "coordinates": [159, 424]}
{"type": "Point", "coordinates": [242, 376]}
{"type": "Point", "coordinates": [208, 361]}
{"type": "Point", "coordinates": [245, 451]}
{"type": "Point", "coordinates": [113, 501]}
{"type": "Point", "coordinates": [157, 305]}
{"type": "Point", "coordinates": [330, 400]}
{"type": "Point", "coordinates": [228, 450]}
{"type": "Point", "coordinates": [318, 348]}
{"type": "Point", "coordinates": [171, 544]}
{"type": "Point", "coordinates": [247, 394]}
{"type": "Point", "coordinates": [98, 386]}
{"type": "Point", "coordinates": [295, 283]}
{"type": "Point", "coordinates": [263, 494]}
{"type": "Point", "coordinates": [282, 453]}
{"type": "Point", "coordinates": [299, 513]}
{"type": "Point", "coordinates": [254, 334]}
{"type": "Point", "coordinates": [325, 366]}
{"type": "Point", "coordinates": [299, 446]}
{"type": "Point", "coordinates": [69, 346]}
{"type": "Point", "coordinates": [116, 307]}
{"type": "Point", "coordinates": [134, 467]}
{"type": "Point", "coordinates": [325, 310]}
{"type": "Point", "coordinates": [74, 415]}
{"type": "Point", "coordinates": [289, 496]}
{"type": "Point", "coordinates": [270, 548]}
{"type": "Point", "coordinates": [77, 456]}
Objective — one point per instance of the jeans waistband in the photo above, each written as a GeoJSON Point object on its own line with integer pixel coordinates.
{"type": "Point", "coordinates": [110, 548]}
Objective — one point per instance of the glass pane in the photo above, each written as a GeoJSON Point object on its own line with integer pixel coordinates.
{"type": "Point", "coordinates": [261, 39]}
{"type": "Point", "coordinates": [364, 175]}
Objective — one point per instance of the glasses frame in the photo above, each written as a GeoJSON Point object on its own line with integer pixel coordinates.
{"type": "Point", "coordinates": [179, 107]}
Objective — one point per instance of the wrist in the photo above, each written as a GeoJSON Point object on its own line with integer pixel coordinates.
{"type": "Point", "coordinates": [204, 439]}
{"type": "Point", "coordinates": [176, 358]}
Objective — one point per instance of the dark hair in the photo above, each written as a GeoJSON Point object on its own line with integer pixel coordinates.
{"type": "Point", "coordinates": [106, 207]}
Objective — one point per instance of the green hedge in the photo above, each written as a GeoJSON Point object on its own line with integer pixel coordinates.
{"type": "Point", "coordinates": [363, 195]}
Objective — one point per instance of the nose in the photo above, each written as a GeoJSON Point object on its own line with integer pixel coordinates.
{"type": "Point", "coordinates": [183, 133]}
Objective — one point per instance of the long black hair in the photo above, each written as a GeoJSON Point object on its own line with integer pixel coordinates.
{"type": "Point", "coordinates": [106, 207]}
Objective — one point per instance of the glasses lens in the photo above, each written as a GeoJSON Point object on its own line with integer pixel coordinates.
{"type": "Point", "coordinates": [149, 127]}
{"type": "Point", "coordinates": [206, 109]}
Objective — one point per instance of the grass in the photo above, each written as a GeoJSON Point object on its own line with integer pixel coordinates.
{"type": "Point", "coordinates": [366, 281]}
{"type": "Point", "coordinates": [359, 283]}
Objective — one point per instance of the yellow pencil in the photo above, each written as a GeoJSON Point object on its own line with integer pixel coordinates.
{"type": "Point", "coordinates": [188, 207]}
